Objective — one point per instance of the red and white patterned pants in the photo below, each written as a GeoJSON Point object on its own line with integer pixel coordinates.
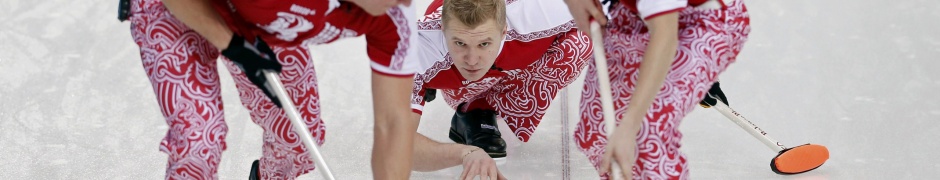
{"type": "Point", "coordinates": [181, 65]}
{"type": "Point", "coordinates": [709, 40]}
{"type": "Point", "coordinates": [522, 96]}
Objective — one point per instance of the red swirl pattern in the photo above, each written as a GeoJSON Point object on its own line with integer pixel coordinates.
{"type": "Point", "coordinates": [523, 95]}
{"type": "Point", "coordinates": [182, 67]}
{"type": "Point", "coordinates": [709, 40]}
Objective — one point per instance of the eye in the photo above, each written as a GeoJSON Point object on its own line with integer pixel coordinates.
{"type": "Point", "coordinates": [484, 44]}
{"type": "Point", "coordinates": [460, 43]}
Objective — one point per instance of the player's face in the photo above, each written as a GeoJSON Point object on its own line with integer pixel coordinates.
{"type": "Point", "coordinates": [378, 7]}
{"type": "Point", "coordinates": [473, 50]}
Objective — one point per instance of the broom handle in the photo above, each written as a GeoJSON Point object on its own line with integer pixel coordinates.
{"type": "Point", "coordinates": [299, 126]}
{"type": "Point", "coordinates": [748, 126]}
{"type": "Point", "coordinates": [603, 79]}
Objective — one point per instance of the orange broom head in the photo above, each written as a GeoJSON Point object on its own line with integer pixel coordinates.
{"type": "Point", "coordinates": [799, 159]}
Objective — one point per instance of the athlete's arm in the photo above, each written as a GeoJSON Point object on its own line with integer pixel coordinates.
{"type": "Point", "coordinates": [394, 127]}
{"type": "Point", "coordinates": [657, 60]}
{"type": "Point", "coordinates": [430, 155]}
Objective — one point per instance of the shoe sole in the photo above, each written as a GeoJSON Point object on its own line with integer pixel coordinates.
{"type": "Point", "coordinates": [500, 161]}
{"type": "Point", "coordinates": [458, 139]}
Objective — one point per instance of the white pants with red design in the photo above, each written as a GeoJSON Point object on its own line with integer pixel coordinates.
{"type": "Point", "coordinates": [709, 40]}
{"type": "Point", "coordinates": [522, 96]}
{"type": "Point", "coordinates": [181, 65]}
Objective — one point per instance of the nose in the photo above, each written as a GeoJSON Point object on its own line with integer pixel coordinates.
{"type": "Point", "coordinates": [472, 57]}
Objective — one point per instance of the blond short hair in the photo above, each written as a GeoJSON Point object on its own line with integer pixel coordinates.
{"type": "Point", "coordinates": [473, 13]}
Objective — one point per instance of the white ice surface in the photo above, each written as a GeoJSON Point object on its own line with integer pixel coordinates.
{"type": "Point", "coordinates": [860, 77]}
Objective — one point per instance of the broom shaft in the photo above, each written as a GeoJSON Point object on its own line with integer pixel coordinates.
{"type": "Point", "coordinates": [748, 126]}
{"type": "Point", "coordinates": [603, 80]}
{"type": "Point", "coordinates": [299, 126]}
